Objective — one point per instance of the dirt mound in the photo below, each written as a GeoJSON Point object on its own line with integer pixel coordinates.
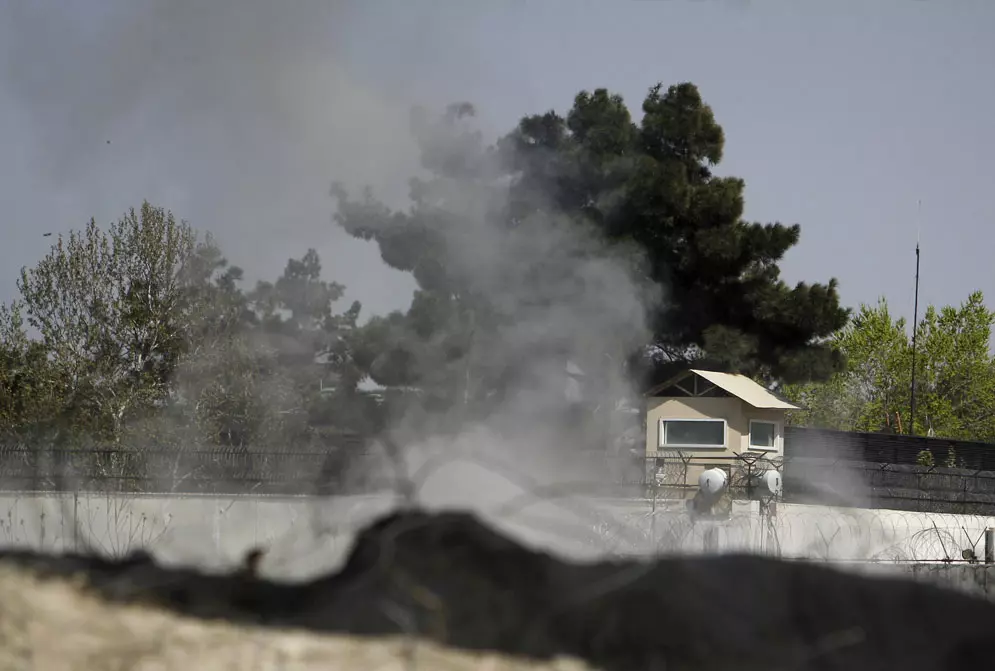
{"type": "Point", "coordinates": [452, 580]}
{"type": "Point", "coordinates": [51, 624]}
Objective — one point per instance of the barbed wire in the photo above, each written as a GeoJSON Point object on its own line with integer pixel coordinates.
{"type": "Point", "coordinates": [638, 509]}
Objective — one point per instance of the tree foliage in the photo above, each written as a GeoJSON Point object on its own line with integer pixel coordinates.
{"type": "Point", "coordinates": [551, 259]}
{"type": "Point", "coordinates": [644, 191]}
{"type": "Point", "coordinates": [955, 374]}
{"type": "Point", "coordinates": [144, 326]}
{"type": "Point", "coordinates": [109, 307]}
{"type": "Point", "coordinates": [31, 387]}
{"type": "Point", "coordinates": [652, 183]}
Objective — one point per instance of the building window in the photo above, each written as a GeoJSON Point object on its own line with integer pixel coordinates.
{"type": "Point", "coordinates": [763, 435]}
{"type": "Point", "coordinates": [692, 433]}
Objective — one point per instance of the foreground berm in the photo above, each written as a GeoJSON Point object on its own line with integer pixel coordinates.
{"type": "Point", "coordinates": [444, 591]}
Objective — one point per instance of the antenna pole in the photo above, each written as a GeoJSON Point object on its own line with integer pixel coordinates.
{"type": "Point", "coordinates": [915, 330]}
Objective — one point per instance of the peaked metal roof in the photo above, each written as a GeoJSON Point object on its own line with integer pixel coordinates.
{"type": "Point", "coordinates": [746, 389]}
{"type": "Point", "coordinates": [739, 386]}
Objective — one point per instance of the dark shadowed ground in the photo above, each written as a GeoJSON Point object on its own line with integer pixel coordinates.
{"type": "Point", "coordinates": [451, 579]}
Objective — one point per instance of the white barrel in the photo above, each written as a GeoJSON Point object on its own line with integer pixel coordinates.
{"type": "Point", "coordinates": [712, 482]}
{"type": "Point", "coordinates": [772, 483]}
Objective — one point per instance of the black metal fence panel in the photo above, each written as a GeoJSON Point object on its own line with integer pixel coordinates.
{"type": "Point", "coordinates": [885, 448]}
{"type": "Point", "coordinates": [825, 467]}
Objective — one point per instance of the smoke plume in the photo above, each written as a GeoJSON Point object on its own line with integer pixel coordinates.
{"type": "Point", "coordinates": [553, 311]}
{"type": "Point", "coordinates": [238, 115]}
{"type": "Point", "coordinates": [235, 115]}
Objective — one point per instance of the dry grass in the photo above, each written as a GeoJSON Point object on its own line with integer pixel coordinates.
{"type": "Point", "coordinates": [54, 625]}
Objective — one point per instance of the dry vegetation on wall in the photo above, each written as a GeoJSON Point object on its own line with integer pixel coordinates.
{"type": "Point", "coordinates": [451, 581]}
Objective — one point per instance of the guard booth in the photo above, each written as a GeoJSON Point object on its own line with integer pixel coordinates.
{"type": "Point", "coordinates": [701, 420]}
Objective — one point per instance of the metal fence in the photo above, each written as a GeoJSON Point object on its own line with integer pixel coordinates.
{"type": "Point", "coordinates": [824, 467]}
{"type": "Point", "coordinates": [829, 481]}
{"type": "Point", "coordinates": [894, 486]}
{"type": "Point", "coordinates": [885, 448]}
{"type": "Point", "coordinates": [190, 471]}
{"type": "Point", "coordinates": [640, 509]}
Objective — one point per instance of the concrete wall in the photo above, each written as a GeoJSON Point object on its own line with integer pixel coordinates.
{"type": "Point", "coordinates": [887, 543]}
{"type": "Point", "coordinates": [307, 536]}
{"type": "Point", "coordinates": [882, 535]}
{"type": "Point", "coordinates": [303, 536]}
{"type": "Point", "coordinates": [814, 532]}
{"type": "Point", "coordinates": [217, 531]}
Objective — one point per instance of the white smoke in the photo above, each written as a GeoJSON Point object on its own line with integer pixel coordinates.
{"type": "Point", "coordinates": [237, 114]}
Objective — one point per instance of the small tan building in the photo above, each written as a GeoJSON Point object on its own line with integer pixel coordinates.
{"type": "Point", "coordinates": [702, 419]}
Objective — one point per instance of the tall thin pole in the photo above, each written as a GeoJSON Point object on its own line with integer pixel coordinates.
{"type": "Point", "coordinates": [915, 330]}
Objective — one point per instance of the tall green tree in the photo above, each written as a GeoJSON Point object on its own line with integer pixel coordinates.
{"type": "Point", "coordinates": [872, 392]}
{"type": "Point", "coordinates": [643, 193]}
{"type": "Point", "coordinates": [955, 375]}
{"type": "Point", "coordinates": [652, 183]}
{"type": "Point", "coordinates": [955, 378]}
{"type": "Point", "coordinates": [142, 334]}
{"type": "Point", "coordinates": [109, 308]}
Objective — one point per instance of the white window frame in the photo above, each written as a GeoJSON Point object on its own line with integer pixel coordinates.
{"type": "Point", "coordinates": [777, 436]}
{"type": "Point", "coordinates": [663, 433]}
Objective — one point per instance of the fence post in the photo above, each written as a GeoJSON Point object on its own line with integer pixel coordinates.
{"type": "Point", "coordinates": [653, 517]}
{"type": "Point", "coordinates": [76, 521]}
{"type": "Point", "coordinates": [217, 530]}
{"type": "Point", "coordinates": [710, 540]}
{"type": "Point", "coordinates": [990, 545]}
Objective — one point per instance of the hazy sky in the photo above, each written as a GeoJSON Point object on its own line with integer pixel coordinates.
{"type": "Point", "coordinates": [237, 114]}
